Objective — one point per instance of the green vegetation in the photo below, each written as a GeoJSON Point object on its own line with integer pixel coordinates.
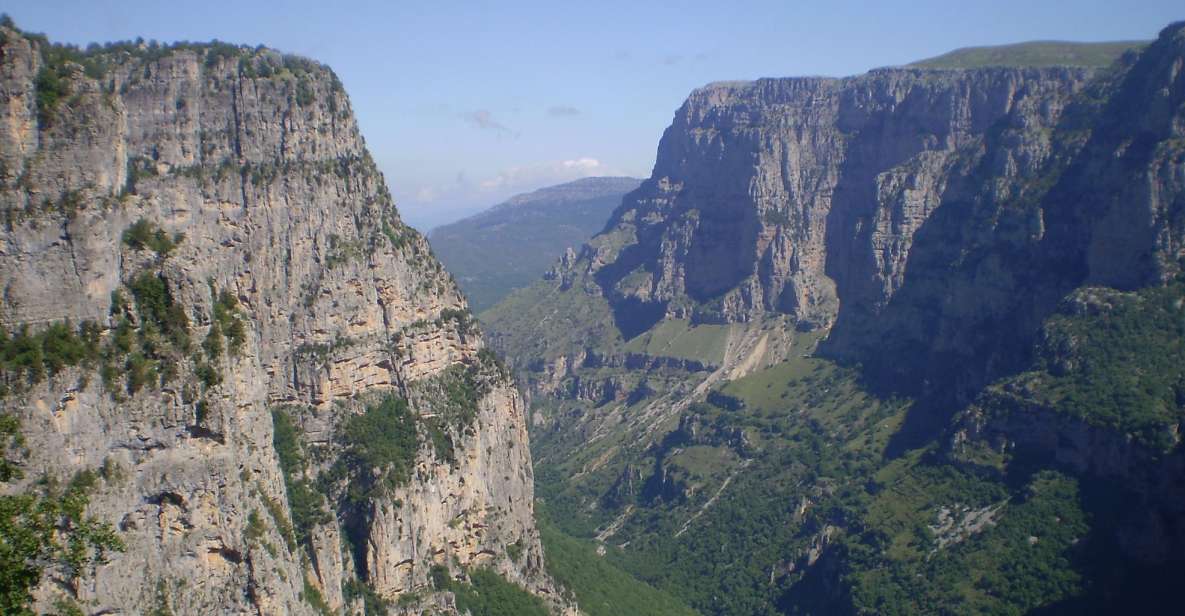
{"type": "Point", "coordinates": [544, 321]}
{"type": "Point", "coordinates": [53, 82]}
{"type": "Point", "coordinates": [255, 528]}
{"type": "Point", "coordinates": [149, 354]}
{"type": "Point", "coordinates": [342, 251]}
{"type": "Point", "coordinates": [155, 305]}
{"type": "Point", "coordinates": [489, 594]}
{"type": "Point", "coordinates": [313, 597]}
{"type": "Point", "coordinates": [306, 504]}
{"type": "Point", "coordinates": [228, 323]}
{"type": "Point", "coordinates": [143, 234]}
{"type": "Point", "coordinates": [27, 358]}
{"type": "Point", "coordinates": [280, 518]}
{"type": "Point", "coordinates": [1117, 361]}
{"type": "Point", "coordinates": [161, 606]}
{"type": "Point", "coordinates": [453, 397]}
{"type": "Point", "coordinates": [1035, 53]}
{"type": "Point", "coordinates": [726, 522]}
{"type": "Point", "coordinates": [380, 447]}
{"type": "Point", "coordinates": [372, 603]}
{"type": "Point", "coordinates": [465, 323]}
{"type": "Point", "coordinates": [1022, 561]}
{"type": "Point", "coordinates": [44, 527]}
{"type": "Point", "coordinates": [52, 86]}
{"type": "Point", "coordinates": [154, 350]}
{"type": "Point", "coordinates": [600, 588]}
{"type": "Point", "coordinates": [679, 339]}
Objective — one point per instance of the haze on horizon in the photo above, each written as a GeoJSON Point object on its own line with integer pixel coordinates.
{"type": "Point", "coordinates": [517, 97]}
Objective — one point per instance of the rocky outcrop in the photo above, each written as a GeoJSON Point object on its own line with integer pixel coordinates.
{"type": "Point", "coordinates": [251, 165]}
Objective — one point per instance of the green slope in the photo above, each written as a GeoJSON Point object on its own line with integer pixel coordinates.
{"type": "Point", "coordinates": [600, 588]}
{"type": "Point", "coordinates": [1033, 53]}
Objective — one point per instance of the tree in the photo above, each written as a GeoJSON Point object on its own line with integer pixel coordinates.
{"type": "Point", "coordinates": [44, 527]}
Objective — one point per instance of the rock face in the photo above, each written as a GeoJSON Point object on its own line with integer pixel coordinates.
{"type": "Point", "coordinates": [925, 227]}
{"type": "Point", "coordinates": [790, 194]}
{"type": "Point", "coordinates": [252, 164]}
{"type": "Point", "coordinates": [902, 205]}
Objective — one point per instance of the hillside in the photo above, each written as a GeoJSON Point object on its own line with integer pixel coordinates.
{"type": "Point", "coordinates": [511, 244]}
{"type": "Point", "coordinates": [231, 379]}
{"type": "Point", "coordinates": [905, 342]}
{"type": "Point", "coordinates": [1033, 53]}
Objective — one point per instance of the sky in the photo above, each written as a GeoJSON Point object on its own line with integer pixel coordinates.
{"type": "Point", "coordinates": [465, 103]}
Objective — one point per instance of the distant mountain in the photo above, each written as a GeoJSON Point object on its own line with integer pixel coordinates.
{"type": "Point", "coordinates": [1033, 53]}
{"type": "Point", "coordinates": [509, 245]}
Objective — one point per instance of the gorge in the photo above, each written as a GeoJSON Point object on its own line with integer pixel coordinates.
{"type": "Point", "coordinates": [911, 341]}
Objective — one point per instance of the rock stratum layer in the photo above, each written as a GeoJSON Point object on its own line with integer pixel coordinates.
{"type": "Point", "coordinates": [160, 194]}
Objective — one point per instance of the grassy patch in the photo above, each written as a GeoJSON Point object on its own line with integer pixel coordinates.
{"type": "Point", "coordinates": [679, 339]}
{"type": "Point", "coordinates": [1035, 53]}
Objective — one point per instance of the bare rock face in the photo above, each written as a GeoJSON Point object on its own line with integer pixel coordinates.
{"type": "Point", "coordinates": [908, 207]}
{"type": "Point", "coordinates": [251, 165]}
{"type": "Point", "coordinates": [789, 194]}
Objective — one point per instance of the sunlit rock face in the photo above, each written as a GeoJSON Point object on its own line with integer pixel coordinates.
{"type": "Point", "coordinates": [252, 164]}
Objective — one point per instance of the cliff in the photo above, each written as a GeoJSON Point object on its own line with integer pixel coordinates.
{"type": "Point", "coordinates": [928, 298]}
{"type": "Point", "coordinates": [902, 206]}
{"type": "Point", "coordinates": [287, 403]}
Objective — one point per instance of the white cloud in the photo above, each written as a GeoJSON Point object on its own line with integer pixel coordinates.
{"type": "Point", "coordinates": [430, 204]}
{"type": "Point", "coordinates": [427, 194]}
{"type": "Point", "coordinates": [530, 177]}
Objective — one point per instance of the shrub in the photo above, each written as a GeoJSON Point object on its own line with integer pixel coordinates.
{"type": "Point", "coordinates": [228, 320]}
{"type": "Point", "coordinates": [27, 358]}
{"type": "Point", "coordinates": [489, 594]}
{"type": "Point", "coordinates": [45, 528]}
{"type": "Point", "coordinates": [306, 504]}
{"type": "Point", "coordinates": [143, 234]}
{"type": "Point", "coordinates": [213, 342]}
{"type": "Point", "coordinates": [380, 447]}
{"type": "Point", "coordinates": [51, 87]}
{"type": "Point", "coordinates": [155, 304]}
{"type": "Point", "coordinates": [207, 374]}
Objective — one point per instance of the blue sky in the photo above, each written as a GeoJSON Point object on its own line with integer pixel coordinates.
{"type": "Point", "coordinates": [464, 103]}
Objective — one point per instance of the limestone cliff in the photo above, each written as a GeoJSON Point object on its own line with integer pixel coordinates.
{"type": "Point", "coordinates": [211, 215]}
{"type": "Point", "coordinates": [791, 194]}
{"type": "Point", "coordinates": [999, 249]}
{"type": "Point", "coordinates": [906, 212]}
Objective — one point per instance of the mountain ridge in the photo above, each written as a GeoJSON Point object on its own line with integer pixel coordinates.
{"type": "Point", "coordinates": [510, 244]}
